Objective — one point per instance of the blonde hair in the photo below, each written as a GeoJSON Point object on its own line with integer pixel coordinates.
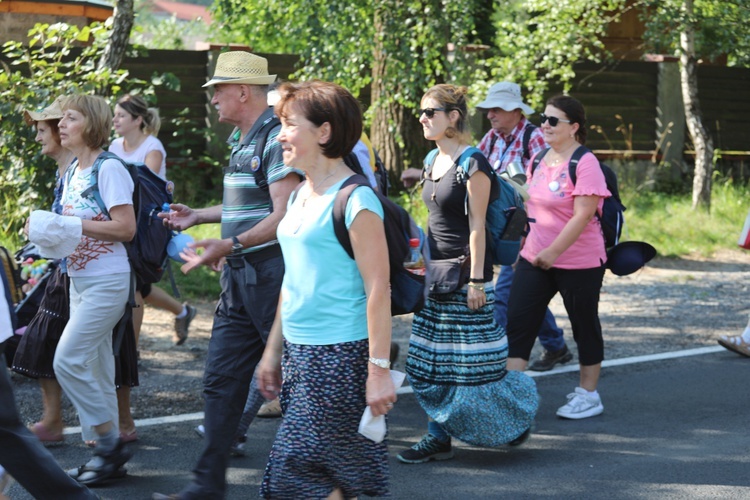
{"type": "Point", "coordinates": [452, 97]}
{"type": "Point", "coordinates": [136, 106]}
{"type": "Point", "coordinates": [97, 115]}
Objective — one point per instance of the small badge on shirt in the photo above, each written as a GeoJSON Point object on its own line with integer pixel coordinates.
{"type": "Point", "coordinates": [169, 188]}
{"type": "Point", "coordinates": [255, 163]}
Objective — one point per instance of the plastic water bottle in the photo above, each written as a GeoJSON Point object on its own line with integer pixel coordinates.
{"type": "Point", "coordinates": [415, 262]}
{"type": "Point", "coordinates": [165, 207]}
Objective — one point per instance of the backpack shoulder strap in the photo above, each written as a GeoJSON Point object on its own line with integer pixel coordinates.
{"type": "Point", "coordinates": [339, 210]}
{"type": "Point", "coordinates": [261, 138]}
{"type": "Point", "coordinates": [573, 164]}
{"type": "Point", "coordinates": [537, 160]}
{"type": "Point", "coordinates": [526, 139]}
{"type": "Point", "coordinates": [93, 189]}
{"type": "Point", "coordinates": [429, 161]}
{"type": "Point", "coordinates": [256, 165]}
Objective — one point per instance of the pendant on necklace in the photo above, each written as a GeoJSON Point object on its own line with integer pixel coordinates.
{"type": "Point", "coordinates": [554, 186]}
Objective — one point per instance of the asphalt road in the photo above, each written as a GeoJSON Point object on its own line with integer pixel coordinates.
{"type": "Point", "coordinates": [671, 429]}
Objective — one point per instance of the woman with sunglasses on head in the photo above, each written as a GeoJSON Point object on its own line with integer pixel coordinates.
{"type": "Point", "coordinates": [457, 351]}
{"type": "Point", "coordinates": [564, 252]}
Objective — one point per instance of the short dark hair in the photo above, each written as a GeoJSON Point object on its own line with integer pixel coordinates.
{"type": "Point", "coordinates": [321, 102]}
{"type": "Point", "coordinates": [575, 112]}
{"type": "Point", "coordinates": [53, 127]}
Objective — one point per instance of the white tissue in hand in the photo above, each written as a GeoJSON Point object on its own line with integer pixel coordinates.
{"type": "Point", "coordinates": [373, 428]}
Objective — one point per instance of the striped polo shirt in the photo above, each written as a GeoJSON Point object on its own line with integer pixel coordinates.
{"type": "Point", "coordinates": [244, 203]}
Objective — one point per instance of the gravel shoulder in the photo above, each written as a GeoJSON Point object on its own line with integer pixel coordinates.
{"type": "Point", "coordinates": [672, 304]}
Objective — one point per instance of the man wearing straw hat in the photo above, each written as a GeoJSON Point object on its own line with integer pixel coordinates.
{"type": "Point", "coordinates": [252, 207]}
{"type": "Point", "coordinates": [508, 146]}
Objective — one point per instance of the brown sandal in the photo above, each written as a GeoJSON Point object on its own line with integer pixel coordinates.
{"type": "Point", "coordinates": [736, 344]}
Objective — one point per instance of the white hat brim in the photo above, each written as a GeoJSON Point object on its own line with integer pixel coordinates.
{"type": "Point", "coordinates": [506, 105]}
{"type": "Point", "coordinates": [250, 80]}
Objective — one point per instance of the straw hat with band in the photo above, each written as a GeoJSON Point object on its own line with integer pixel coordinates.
{"type": "Point", "coordinates": [52, 112]}
{"type": "Point", "coordinates": [241, 67]}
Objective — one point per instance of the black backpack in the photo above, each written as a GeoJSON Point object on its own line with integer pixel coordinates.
{"type": "Point", "coordinates": [147, 251]}
{"type": "Point", "coordinates": [611, 217]}
{"type": "Point", "coordinates": [408, 290]}
{"type": "Point", "coordinates": [381, 176]}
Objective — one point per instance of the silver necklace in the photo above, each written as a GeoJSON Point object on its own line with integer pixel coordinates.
{"type": "Point", "coordinates": [313, 191]}
{"type": "Point", "coordinates": [320, 184]}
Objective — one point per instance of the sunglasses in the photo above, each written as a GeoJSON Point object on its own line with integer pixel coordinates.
{"type": "Point", "coordinates": [553, 120]}
{"type": "Point", "coordinates": [429, 112]}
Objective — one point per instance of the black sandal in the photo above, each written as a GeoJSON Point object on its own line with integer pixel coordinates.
{"type": "Point", "coordinates": [118, 474]}
{"type": "Point", "coordinates": [112, 462]}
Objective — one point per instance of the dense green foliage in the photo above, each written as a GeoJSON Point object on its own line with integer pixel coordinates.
{"type": "Point", "coordinates": [336, 39]}
{"type": "Point", "coordinates": [46, 65]}
{"type": "Point", "coordinates": [720, 28]}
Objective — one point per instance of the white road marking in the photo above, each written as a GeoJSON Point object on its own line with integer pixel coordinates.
{"type": "Point", "coordinates": [172, 419]}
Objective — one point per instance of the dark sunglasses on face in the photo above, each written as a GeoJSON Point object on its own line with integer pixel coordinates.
{"type": "Point", "coordinates": [429, 112]}
{"type": "Point", "coordinates": [553, 120]}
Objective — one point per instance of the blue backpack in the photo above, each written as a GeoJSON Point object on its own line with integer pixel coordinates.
{"type": "Point", "coordinates": [147, 251]}
{"type": "Point", "coordinates": [506, 219]}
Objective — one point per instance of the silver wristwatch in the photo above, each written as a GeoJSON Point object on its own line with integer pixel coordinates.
{"type": "Point", "coordinates": [236, 246]}
{"type": "Point", "coordinates": [382, 363]}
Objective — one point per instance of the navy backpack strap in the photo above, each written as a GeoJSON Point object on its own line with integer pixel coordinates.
{"type": "Point", "coordinates": [573, 164]}
{"type": "Point", "coordinates": [339, 210]}
{"type": "Point", "coordinates": [526, 139]}
{"type": "Point", "coordinates": [538, 160]}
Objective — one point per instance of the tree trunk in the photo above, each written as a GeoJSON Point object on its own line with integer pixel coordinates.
{"type": "Point", "coordinates": [396, 132]}
{"type": "Point", "coordinates": [118, 40]}
{"type": "Point", "coordinates": [704, 147]}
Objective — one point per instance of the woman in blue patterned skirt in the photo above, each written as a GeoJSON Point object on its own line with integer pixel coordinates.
{"type": "Point", "coordinates": [457, 352]}
{"type": "Point", "coordinates": [334, 312]}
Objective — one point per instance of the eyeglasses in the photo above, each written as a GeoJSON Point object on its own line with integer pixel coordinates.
{"type": "Point", "coordinates": [553, 120]}
{"type": "Point", "coordinates": [429, 112]}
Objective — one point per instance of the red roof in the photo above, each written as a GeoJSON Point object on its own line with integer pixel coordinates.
{"type": "Point", "coordinates": [183, 11]}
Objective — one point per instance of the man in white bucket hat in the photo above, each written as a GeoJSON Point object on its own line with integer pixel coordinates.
{"type": "Point", "coordinates": [509, 145]}
{"type": "Point", "coordinates": [257, 186]}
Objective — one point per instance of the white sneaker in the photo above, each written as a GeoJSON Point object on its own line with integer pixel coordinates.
{"type": "Point", "coordinates": [581, 405]}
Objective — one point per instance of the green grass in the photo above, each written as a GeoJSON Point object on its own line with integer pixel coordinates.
{"type": "Point", "coordinates": [664, 220]}
{"type": "Point", "coordinates": [669, 223]}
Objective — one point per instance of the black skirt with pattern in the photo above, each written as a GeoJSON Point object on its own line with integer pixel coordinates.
{"type": "Point", "coordinates": [36, 349]}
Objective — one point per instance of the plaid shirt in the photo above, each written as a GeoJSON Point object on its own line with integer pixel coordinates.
{"type": "Point", "coordinates": [513, 143]}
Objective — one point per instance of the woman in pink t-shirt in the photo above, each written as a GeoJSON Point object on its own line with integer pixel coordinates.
{"type": "Point", "coordinates": [563, 253]}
